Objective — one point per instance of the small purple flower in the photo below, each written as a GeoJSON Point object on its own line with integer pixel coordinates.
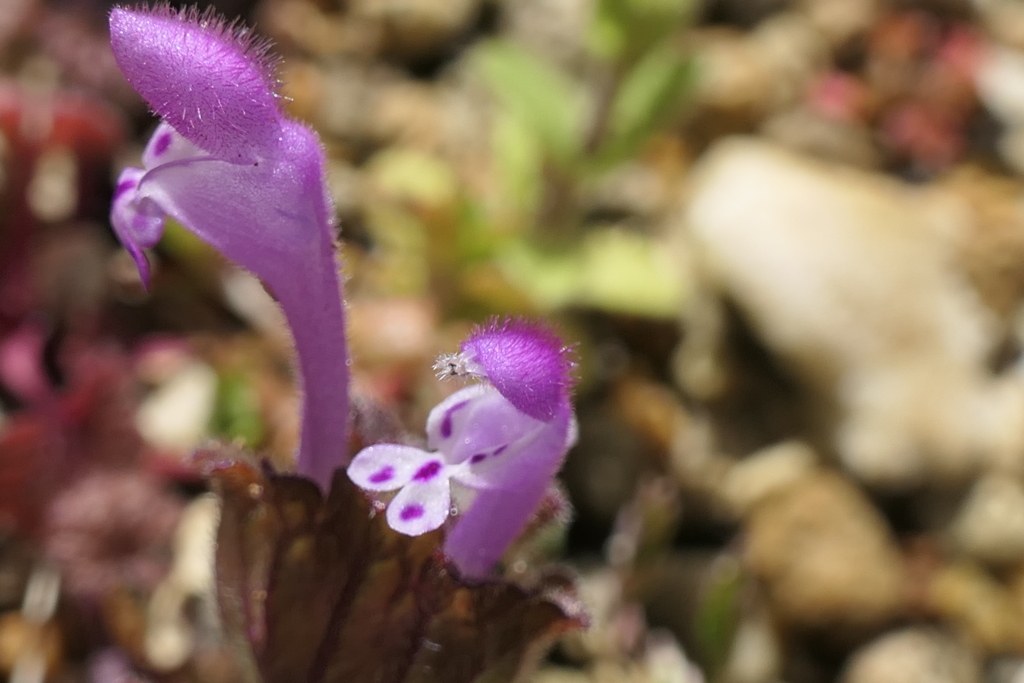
{"type": "Point", "coordinates": [501, 441]}
{"type": "Point", "coordinates": [228, 165]}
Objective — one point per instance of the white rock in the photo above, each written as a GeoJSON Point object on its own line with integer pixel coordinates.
{"type": "Point", "coordinates": [756, 653]}
{"type": "Point", "coordinates": [176, 415]}
{"type": "Point", "coordinates": [187, 590]}
{"type": "Point", "coordinates": [990, 524]}
{"type": "Point", "coordinates": [914, 655]}
{"type": "Point", "coordinates": [1000, 82]}
{"type": "Point", "coordinates": [851, 279]}
{"type": "Point", "coordinates": [768, 470]}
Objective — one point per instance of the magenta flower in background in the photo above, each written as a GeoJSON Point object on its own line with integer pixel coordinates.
{"type": "Point", "coordinates": [228, 165]}
{"type": "Point", "coordinates": [500, 442]}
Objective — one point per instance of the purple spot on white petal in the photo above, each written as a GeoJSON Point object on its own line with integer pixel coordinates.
{"type": "Point", "coordinates": [428, 471]}
{"type": "Point", "coordinates": [410, 512]}
{"type": "Point", "coordinates": [161, 144]}
{"type": "Point", "coordinates": [123, 187]}
{"type": "Point", "coordinates": [500, 449]}
{"type": "Point", "coordinates": [446, 422]}
{"type": "Point", "coordinates": [382, 475]}
{"type": "Point", "coordinates": [477, 458]}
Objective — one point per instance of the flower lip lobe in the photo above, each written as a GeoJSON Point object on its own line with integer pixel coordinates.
{"type": "Point", "coordinates": [384, 474]}
{"type": "Point", "coordinates": [411, 512]}
{"type": "Point", "coordinates": [428, 471]}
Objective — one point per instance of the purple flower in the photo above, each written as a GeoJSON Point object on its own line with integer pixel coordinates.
{"type": "Point", "coordinates": [500, 442]}
{"type": "Point", "coordinates": [228, 165]}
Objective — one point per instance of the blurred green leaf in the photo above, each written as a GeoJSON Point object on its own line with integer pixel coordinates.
{"type": "Point", "coordinates": [608, 34]}
{"type": "Point", "coordinates": [648, 96]}
{"type": "Point", "coordinates": [625, 30]}
{"type": "Point", "coordinates": [717, 616]}
{"type": "Point", "coordinates": [409, 175]}
{"type": "Point", "coordinates": [546, 100]}
{"type": "Point", "coordinates": [237, 411]}
{"type": "Point", "coordinates": [612, 270]}
{"type": "Point", "coordinates": [520, 161]}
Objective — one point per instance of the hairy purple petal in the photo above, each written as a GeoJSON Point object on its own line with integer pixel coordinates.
{"type": "Point", "coordinates": [206, 78]}
{"type": "Point", "coordinates": [526, 362]}
{"type": "Point", "coordinates": [509, 490]}
{"type": "Point", "coordinates": [503, 457]}
{"type": "Point", "coordinates": [420, 507]}
{"type": "Point", "coordinates": [230, 167]}
{"type": "Point", "coordinates": [386, 467]}
{"type": "Point", "coordinates": [494, 520]}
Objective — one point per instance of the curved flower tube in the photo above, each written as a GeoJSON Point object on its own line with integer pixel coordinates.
{"type": "Point", "coordinates": [228, 165]}
{"type": "Point", "coordinates": [500, 442]}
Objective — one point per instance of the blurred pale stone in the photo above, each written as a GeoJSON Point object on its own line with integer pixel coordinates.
{"type": "Point", "coordinates": [826, 557]}
{"type": "Point", "coordinates": [1004, 20]}
{"type": "Point", "coordinates": [177, 414]}
{"type": "Point", "coordinates": [417, 28]}
{"type": "Point", "coordinates": [990, 525]}
{"type": "Point", "coordinates": [913, 655]}
{"type": "Point", "coordinates": [1000, 82]}
{"type": "Point", "coordinates": [852, 280]}
{"type": "Point", "coordinates": [747, 75]}
{"type": "Point", "coordinates": [554, 29]}
{"type": "Point", "coordinates": [840, 20]}
{"type": "Point", "coordinates": [805, 131]}
{"type": "Point", "coordinates": [969, 598]}
{"type": "Point", "coordinates": [187, 591]}
{"type": "Point", "coordinates": [756, 654]}
{"type": "Point", "coordinates": [765, 472]}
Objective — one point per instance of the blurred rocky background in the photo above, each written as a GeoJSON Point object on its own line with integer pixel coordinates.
{"type": "Point", "coordinates": [788, 236]}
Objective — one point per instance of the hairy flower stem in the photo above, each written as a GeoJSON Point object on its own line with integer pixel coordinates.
{"type": "Point", "coordinates": [317, 320]}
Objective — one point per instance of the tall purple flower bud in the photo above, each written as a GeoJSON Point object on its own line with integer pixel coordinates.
{"type": "Point", "coordinates": [494, 446]}
{"type": "Point", "coordinates": [228, 165]}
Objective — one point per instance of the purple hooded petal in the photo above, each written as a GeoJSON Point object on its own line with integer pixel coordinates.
{"type": "Point", "coordinates": [386, 467]}
{"type": "Point", "coordinates": [138, 221]}
{"type": "Point", "coordinates": [507, 495]}
{"type": "Point", "coordinates": [209, 80]}
{"type": "Point", "coordinates": [526, 362]}
{"type": "Point", "coordinates": [495, 519]}
{"type": "Point", "coordinates": [537, 453]}
{"type": "Point", "coordinates": [420, 507]}
{"type": "Point", "coordinates": [256, 193]}
{"type": "Point", "coordinates": [263, 217]}
{"type": "Point", "coordinates": [476, 421]}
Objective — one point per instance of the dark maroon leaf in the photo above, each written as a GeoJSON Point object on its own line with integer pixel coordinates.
{"type": "Point", "coordinates": [325, 592]}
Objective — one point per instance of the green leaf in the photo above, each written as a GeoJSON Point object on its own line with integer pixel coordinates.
{"type": "Point", "coordinates": [625, 30]}
{"type": "Point", "coordinates": [546, 100]}
{"type": "Point", "coordinates": [608, 33]}
{"type": "Point", "coordinates": [718, 611]}
{"type": "Point", "coordinates": [613, 270]}
{"type": "Point", "coordinates": [647, 98]}
{"type": "Point", "coordinates": [237, 411]}
{"type": "Point", "coordinates": [520, 161]}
